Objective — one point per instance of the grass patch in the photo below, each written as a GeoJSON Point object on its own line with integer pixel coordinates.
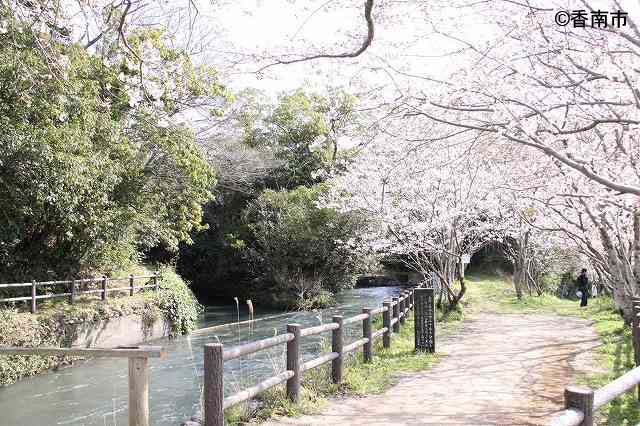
{"type": "Point", "coordinates": [384, 371]}
{"type": "Point", "coordinates": [616, 355]}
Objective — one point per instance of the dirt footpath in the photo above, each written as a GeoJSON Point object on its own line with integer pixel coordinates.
{"type": "Point", "coordinates": [498, 370]}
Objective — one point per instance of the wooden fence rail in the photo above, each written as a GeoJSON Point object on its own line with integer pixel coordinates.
{"type": "Point", "coordinates": [73, 291]}
{"type": "Point", "coordinates": [394, 314]}
{"type": "Point", "coordinates": [581, 403]}
{"type": "Point", "coordinates": [138, 370]}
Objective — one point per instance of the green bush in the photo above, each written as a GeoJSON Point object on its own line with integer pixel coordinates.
{"type": "Point", "coordinates": [293, 144]}
{"type": "Point", "coordinates": [89, 178]}
{"type": "Point", "coordinates": [177, 303]}
{"type": "Point", "coordinates": [322, 299]}
{"type": "Point", "coordinates": [303, 252]}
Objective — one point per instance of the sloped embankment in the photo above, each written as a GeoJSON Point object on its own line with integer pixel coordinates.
{"type": "Point", "coordinates": [169, 311]}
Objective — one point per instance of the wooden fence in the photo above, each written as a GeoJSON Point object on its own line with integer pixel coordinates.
{"type": "Point", "coordinates": [138, 371]}
{"type": "Point", "coordinates": [581, 403]}
{"type": "Point", "coordinates": [394, 314]}
{"type": "Point", "coordinates": [73, 290]}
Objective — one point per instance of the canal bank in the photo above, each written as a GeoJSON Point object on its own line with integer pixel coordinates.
{"type": "Point", "coordinates": [94, 392]}
{"type": "Point", "coordinates": [90, 320]}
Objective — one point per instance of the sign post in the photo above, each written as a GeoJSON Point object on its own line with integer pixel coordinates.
{"type": "Point", "coordinates": [425, 319]}
{"type": "Point", "coordinates": [465, 259]}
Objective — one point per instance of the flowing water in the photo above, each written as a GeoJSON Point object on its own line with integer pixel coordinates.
{"type": "Point", "coordinates": [95, 391]}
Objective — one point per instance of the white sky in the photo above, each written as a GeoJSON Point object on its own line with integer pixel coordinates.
{"type": "Point", "coordinates": [404, 36]}
{"type": "Point", "coordinates": [277, 27]}
{"type": "Point", "coordinates": [232, 30]}
{"type": "Point", "coordinates": [236, 36]}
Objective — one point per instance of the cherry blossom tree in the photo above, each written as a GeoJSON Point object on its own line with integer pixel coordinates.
{"type": "Point", "coordinates": [563, 99]}
{"type": "Point", "coordinates": [430, 207]}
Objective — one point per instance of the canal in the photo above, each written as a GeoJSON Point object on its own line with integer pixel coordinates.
{"type": "Point", "coordinates": [94, 392]}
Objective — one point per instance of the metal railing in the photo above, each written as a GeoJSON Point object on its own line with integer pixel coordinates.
{"type": "Point", "coordinates": [394, 314]}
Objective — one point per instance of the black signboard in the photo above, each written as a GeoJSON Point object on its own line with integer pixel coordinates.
{"type": "Point", "coordinates": [425, 319]}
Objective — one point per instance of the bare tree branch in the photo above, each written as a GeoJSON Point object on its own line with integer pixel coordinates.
{"type": "Point", "coordinates": [368, 7]}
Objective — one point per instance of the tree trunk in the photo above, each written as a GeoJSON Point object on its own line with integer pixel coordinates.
{"type": "Point", "coordinates": [454, 298]}
{"type": "Point", "coordinates": [636, 252]}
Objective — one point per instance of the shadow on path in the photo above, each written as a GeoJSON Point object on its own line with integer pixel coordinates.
{"type": "Point", "coordinates": [498, 370]}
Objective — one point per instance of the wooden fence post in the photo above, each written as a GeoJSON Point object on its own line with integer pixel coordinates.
{"type": "Point", "coordinates": [34, 303]}
{"type": "Point", "coordinates": [131, 285]}
{"type": "Point", "coordinates": [367, 348]}
{"type": "Point", "coordinates": [396, 309]}
{"type": "Point", "coordinates": [72, 297]}
{"type": "Point", "coordinates": [337, 343]}
{"type": "Point", "coordinates": [580, 398]}
{"type": "Point", "coordinates": [139, 391]}
{"type": "Point", "coordinates": [635, 333]}
{"type": "Point", "coordinates": [104, 287]}
{"type": "Point", "coordinates": [293, 362]}
{"type": "Point", "coordinates": [386, 322]}
{"type": "Point", "coordinates": [403, 299]}
{"type": "Point", "coordinates": [213, 384]}
{"type": "Point", "coordinates": [155, 280]}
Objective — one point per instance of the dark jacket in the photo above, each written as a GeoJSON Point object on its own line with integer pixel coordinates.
{"type": "Point", "coordinates": [583, 282]}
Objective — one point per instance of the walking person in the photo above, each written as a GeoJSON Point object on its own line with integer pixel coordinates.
{"type": "Point", "coordinates": [583, 287]}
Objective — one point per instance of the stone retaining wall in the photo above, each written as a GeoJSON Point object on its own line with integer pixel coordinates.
{"type": "Point", "coordinates": [120, 331]}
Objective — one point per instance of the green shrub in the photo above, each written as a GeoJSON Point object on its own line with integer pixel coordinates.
{"type": "Point", "coordinates": [177, 303]}
{"type": "Point", "coordinates": [88, 180]}
{"type": "Point", "coordinates": [301, 249]}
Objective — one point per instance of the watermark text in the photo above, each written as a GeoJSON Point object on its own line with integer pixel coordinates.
{"type": "Point", "coordinates": [581, 18]}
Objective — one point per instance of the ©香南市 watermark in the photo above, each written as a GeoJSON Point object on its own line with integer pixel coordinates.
{"type": "Point", "coordinates": [581, 18]}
